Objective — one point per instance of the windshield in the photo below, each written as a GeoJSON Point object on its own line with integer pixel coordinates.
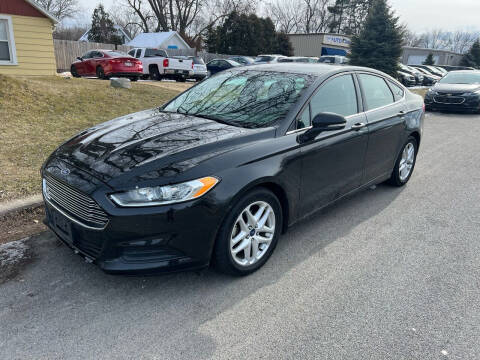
{"type": "Point", "coordinates": [116, 53]}
{"type": "Point", "coordinates": [461, 78]}
{"type": "Point", "coordinates": [243, 98]}
{"type": "Point", "coordinates": [263, 58]}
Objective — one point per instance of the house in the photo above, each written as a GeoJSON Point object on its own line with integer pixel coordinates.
{"type": "Point", "coordinates": [416, 56]}
{"type": "Point", "coordinates": [120, 32]}
{"type": "Point", "coordinates": [26, 41]}
{"type": "Point", "coordinates": [160, 40]}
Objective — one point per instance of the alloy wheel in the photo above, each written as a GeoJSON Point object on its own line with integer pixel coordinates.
{"type": "Point", "coordinates": [252, 233]}
{"type": "Point", "coordinates": [406, 162]}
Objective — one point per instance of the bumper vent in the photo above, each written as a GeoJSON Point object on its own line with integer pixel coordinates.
{"type": "Point", "coordinates": [82, 208]}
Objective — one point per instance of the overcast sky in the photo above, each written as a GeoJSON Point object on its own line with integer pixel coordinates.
{"type": "Point", "coordinates": [419, 15]}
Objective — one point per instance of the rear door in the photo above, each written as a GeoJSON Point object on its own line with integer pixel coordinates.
{"type": "Point", "coordinates": [385, 110]}
{"type": "Point", "coordinates": [332, 164]}
{"type": "Point", "coordinates": [81, 65]}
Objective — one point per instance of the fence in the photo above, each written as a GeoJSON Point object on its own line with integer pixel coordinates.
{"type": "Point", "coordinates": [66, 52]}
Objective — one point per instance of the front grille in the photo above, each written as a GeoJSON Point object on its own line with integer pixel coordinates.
{"type": "Point", "coordinates": [78, 205]}
{"type": "Point", "coordinates": [442, 99]}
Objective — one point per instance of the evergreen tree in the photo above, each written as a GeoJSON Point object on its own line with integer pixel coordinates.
{"type": "Point", "coordinates": [348, 16]}
{"type": "Point", "coordinates": [379, 44]}
{"type": "Point", "coordinates": [472, 58]}
{"type": "Point", "coordinates": [429, 60]}
{"type": "Point", "coordinates": [284, 46]}
{"type": "Point", "coordinates": [243, 34]}
{"type": "Point", "coordinates": [102, 29]}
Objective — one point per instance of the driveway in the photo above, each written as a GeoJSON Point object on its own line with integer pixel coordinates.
{"type": "Point", "coordinates": [386, 274]}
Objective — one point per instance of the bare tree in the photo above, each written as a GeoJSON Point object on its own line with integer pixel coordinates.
{"type": "Point", "coordinates": [285, 15]}
{"type": "Point", "coordinates": [61, 9]}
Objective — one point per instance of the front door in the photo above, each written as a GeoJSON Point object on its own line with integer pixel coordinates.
{"type": "Point", "coordinates": [333, 163]}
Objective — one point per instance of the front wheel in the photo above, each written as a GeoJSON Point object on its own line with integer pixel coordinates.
{"type": "Point", "coordinates": [101, 73]}
{"type": "Point", "coordinates": [249, 233]}
{"type": "Point", "coordinates": [405, 163]}
{"type": "Point", "coordinates": [74, 72]}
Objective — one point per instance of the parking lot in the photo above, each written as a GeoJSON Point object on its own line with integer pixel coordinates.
{"type": "Point", "coordinates": [388, 273]}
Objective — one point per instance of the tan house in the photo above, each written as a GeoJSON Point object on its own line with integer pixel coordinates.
{"type": "Point", "coordinates": [26, 41]}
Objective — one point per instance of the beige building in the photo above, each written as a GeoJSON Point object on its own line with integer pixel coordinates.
{"type": "Point", "coordinates": [319, 44]}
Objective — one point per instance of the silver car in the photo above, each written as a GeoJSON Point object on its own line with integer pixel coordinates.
{"type": "Point", "coordinates": [199, 68]}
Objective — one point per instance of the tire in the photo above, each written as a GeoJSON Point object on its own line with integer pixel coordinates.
{"type": "Point", "coordinates": [134, 78]}
{"type": "Point", "coordinates": [73, 71]}
{"type": "Point", "coordinates": [398, 177]}
{"type": "Point", "coordinates": [155, 74]}
{"type": "Point", "coordinates": [181, 79]}
{"type": "Point", "coordinates": [223, 258]}
{"type": "Point", "coordinates": [101, 73]}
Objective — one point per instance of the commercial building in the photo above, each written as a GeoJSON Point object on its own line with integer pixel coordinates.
{"type": "Point", "coordinates": [416, 56]}
{"type": "Point", "coordinates": [319, 44]}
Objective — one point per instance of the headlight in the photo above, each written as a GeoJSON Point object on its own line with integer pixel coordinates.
{"type": "Point", "coordinates": [168, 194]}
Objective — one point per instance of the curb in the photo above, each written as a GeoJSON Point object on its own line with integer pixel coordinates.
{"type": "Point", "coordinates": [30, 202]}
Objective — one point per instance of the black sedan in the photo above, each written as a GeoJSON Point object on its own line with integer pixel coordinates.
{"type": "Point", "coordinates": [457, 91]}
{"type": "Point", "coordinates": [217, 65]}
{"type": "Point", "coordinates": [221, 171]}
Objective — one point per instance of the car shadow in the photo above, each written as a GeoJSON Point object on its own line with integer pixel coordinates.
{"type": "Point", "coordinates": [67, 291]}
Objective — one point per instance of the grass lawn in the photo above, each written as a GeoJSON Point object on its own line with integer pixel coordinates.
{"type": "Point", "coordinates": [37, 114]}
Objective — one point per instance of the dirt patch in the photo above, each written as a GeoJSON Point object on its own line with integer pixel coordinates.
{"type": "Point", "coordinates": [21, 224]}
{"type": "Point", "coordinates": [13, 257]}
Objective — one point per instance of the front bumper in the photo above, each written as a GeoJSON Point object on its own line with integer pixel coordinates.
{"type": "Point", "coordinates": [455, 103]}
{"type": "Point", "coordinates": [145, 240]}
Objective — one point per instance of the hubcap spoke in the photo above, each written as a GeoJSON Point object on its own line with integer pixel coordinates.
{"type": "Point", "coordinates": [406, 162]}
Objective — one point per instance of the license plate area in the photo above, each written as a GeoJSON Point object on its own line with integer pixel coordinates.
{"type": "Point", "coordinates": [128, 63]}
{"type": "Point", "coordinates": [62, 225]}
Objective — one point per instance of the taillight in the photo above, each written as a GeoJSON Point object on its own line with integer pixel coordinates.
{"type": "Point", "coordinates": [192, 64]}
{"type": "Point", "coordinates": [423, 107]}
{"type": "Point", "coordinates": [165, 63]}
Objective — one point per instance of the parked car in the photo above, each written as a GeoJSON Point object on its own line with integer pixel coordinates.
{"type": "Point", "coordinates": [302, 59]}
{"type": "Point", "coordinates": [452, 67]}
{"type": "Point", "coordinates": [200, 71]}
{"type": "Point", "coordinates": [217, 174]}
{"type": "Point", "coordinates": [412, 71]}
{"type": "Point", "coordinates": [217, 65]}
{"type": "Point", "coordinates": [428, 78]}
{"type": "Point", "coordinates": [458, 91]}
{"type": "Point", "coordinates": [333, 59]}
{"type": "Point", "coordinates": [430, 69]}
{"type": "Point", "coordinates": [268, 59]}
{"type": "Point", "coordinates": [406, 78]}
{"type": "Point", "coordinates": [157, 65]}
{"type": "Point", "coordinates": [244, 60]}
{"type": "Point", "coordinates": [105, 64]}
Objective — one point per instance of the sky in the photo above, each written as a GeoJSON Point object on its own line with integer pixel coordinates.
{"type": "Point", "coordinates": [419, 15]}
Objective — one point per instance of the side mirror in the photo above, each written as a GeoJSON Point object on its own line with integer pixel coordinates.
{"type": "Point", "coordinates": [79, 58]}
{"type": "Point", "coordinates": [323, 122]}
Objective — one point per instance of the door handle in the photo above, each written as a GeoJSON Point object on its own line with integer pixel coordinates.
{"type": "Point", "coordinates": [401, 113]}
{"type": "Point", "coordinates": [358, 126]}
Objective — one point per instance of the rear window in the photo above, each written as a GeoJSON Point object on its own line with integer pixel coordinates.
{"type": "Point", "coordinates": [197, 60]}
{"type": "Point", "coordinates": [155, 53]}
{"type": "Point", "coordinates": [116, 53]}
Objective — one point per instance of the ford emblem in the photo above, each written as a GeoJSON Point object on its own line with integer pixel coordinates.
{"type": "Point", "coordinates": [65, 171]}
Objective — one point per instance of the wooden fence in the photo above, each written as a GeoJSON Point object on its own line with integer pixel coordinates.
{"type": "Point", "coordinates": [66, 52]}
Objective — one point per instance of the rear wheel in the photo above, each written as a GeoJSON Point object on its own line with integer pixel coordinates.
{"type": "Point", "coordinates": [155, 74]}
{"type": "Point", "coordinates": [249, 233]}
{"type": "Point", "coordinates": [134, 78]}
{"type": "Point", "coordinates": [181, 79]}
{"type": "Point", "coordinates": [405, 163]}
{"type": "Point", "coordinates": [73, 71]}
{"type": "Point", "coordinates": [101, 73]}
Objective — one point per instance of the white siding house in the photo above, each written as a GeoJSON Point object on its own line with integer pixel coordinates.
{"type": "Point", "coordinates": [160, 40]}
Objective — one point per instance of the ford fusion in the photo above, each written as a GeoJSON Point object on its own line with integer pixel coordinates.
{"type": "Point", "coordinates": [217, 174]}
{"type": "Point", "coordinates": [458, 90]}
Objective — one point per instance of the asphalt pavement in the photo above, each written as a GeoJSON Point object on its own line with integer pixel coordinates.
{"type": "Point", "coordinates": [386, 274]}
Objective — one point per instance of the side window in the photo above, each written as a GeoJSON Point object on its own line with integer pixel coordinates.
{"type": "Point", "coordinates": [87, 55]}
{"type": "Point", "coordinates": [304, 120]}
{"type": "Point", "coordinates": [397, 90]}
{"type": "Point", "coordinates": [223, 64]}
{"type": "Point", "coordinates": [336, 96]}
{"type": "Point", "coordinates": [139, 52]}
{"type": "Point", "coordinates": [376, 91]}
{"type": "Point", "coordinates": [131, 53]}
{"type": "Point", "coordinates": [213, 63]}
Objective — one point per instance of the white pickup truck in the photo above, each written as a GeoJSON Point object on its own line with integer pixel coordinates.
{"type": "Point", "coordinates": [158, 65]}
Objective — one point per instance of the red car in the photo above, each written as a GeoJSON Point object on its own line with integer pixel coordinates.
{"type": "Point", "coordinates": [105, 64]}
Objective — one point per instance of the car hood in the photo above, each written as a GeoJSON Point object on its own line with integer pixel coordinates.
{"type": "Point", "coordinates": [456, 88]}
{"type": "Point", "coordinates": [152, 144]}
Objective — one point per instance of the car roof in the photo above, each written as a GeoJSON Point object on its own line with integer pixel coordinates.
{"type": "Point", "coordinates": [465, 71]}
{"type": "Point", "coordinates": [310, 68]}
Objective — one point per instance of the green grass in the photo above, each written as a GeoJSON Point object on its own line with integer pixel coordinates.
{"type": "Point", "coordinates": [37, 114]}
